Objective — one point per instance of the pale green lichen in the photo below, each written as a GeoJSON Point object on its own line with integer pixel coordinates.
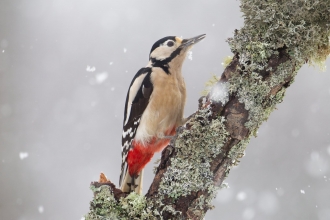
{"type": "Point", "coordinates": [214, 78]}
{"type": "Point", "coordinates": [105, 207]}
{"type": "Point", "coordinates": [226, 61]}
{"type": "Point", "coordinates": [209, 84]}
{"type": "Point", "coordinates": [301, 27]}
{"type": "Point", "coordinates": [195, 149]}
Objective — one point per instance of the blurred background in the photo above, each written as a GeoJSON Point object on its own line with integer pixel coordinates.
{"type": "Point", "coordinates": [65, 67]}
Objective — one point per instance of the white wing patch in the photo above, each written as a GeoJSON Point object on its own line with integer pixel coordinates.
{"type": "Point", "coordinates": [129, 131]}
{"type": "Point", "coordinates": [132, 93]}
{"type": "Point", "coordinates": [137, 122]}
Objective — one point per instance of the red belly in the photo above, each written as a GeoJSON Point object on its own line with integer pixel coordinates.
{"type": "Point", "coordinates": [140, 154]}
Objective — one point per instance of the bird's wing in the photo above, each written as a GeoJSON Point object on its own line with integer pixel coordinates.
{"type": "Point", "coordinates": [137, 101]}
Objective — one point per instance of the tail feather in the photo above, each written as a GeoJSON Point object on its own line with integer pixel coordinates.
{"type": "Point", "coordinates": [131, 184]}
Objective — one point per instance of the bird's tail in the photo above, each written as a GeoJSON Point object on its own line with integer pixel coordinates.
{"type": "Point", "coordinates": [133, 183]}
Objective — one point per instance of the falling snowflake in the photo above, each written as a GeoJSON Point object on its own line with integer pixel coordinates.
{"type": "Point", "coordinates": [90, 68]}
{"type": "Point", "coordinates": [125, 50]}
{"type": "Point", "coordinates": [41, 209]}
{"type": "Point", "coordinates": [23, 155]}
{"type": "Point", "coordinates": [101, 77]}
{"type": "Point", "coordinates": [241, 196]}
{"type": "Point", "coordinates": [219, 93]}
{"type": "Point", "coordinates": [190, 55]}
{"type": "Point", "coordinates": [302, 191]}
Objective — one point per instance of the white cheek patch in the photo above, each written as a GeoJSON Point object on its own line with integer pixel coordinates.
{"type": "Point", "coordinates": [132, 93]}
{"type": "Point", "coordinates": [163, 51]}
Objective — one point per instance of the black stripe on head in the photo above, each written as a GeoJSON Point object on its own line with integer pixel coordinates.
{"type": "Point", "coordinates": [164, 63]}
{"type": "Point", "coordinates": [161, 41]}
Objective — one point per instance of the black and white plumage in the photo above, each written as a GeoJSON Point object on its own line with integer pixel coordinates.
{"type": "Point", "coordinates": [154, 107]}
{"type": "Point", "coordinates": [136, 102]}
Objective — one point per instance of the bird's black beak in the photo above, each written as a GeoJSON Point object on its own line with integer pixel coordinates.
{"type": "Point", "coordinates": [186, 43]}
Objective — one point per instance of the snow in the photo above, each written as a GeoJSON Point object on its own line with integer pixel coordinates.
{"type": "Point", "coordinates": [3, 51]}
{"type": "Point", "coordinates": [190, 55]}
{"type": "Point", "coordinates": [23, 155]}
{"type": "Point", "coordinates": [125, 50]}
{"type": "Point", "coordinates": [110, 63]}
{"type": "Point", "coordinates": [280, 192]}
{"type": "Point", "coordinates": [302, 191]}
{"type": "Point", "coordinates": [101, 77]}
{"type": "Point", "coordinates": [41, 209]}
{"type": "Point", "coordinates": [219, 93]}
{"type": "Point", "coordinates": [90, 68]}
{"type": "Point", "coordinates": [112, 88]}
{"type": "Point", "coordinates": [241, 196]}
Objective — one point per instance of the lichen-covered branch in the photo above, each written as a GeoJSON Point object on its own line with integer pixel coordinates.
{"type": "Point", "coordinates": [278, 37]}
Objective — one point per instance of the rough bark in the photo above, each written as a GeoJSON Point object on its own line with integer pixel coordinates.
{"type": "Point", "coordinates": [278, 37]}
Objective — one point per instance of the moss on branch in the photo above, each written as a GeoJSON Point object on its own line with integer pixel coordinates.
{"type": "Point", "coordinates": [278, 37]}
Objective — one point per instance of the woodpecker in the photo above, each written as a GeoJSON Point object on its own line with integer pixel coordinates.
{"type": "Point", "coordinates": [154, 108]}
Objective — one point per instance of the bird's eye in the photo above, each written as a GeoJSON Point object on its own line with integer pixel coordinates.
{"type": "Point", "coordinates": [170, 43]}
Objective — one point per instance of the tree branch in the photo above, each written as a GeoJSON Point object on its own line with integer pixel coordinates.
{"type": "Point", "coordinates": [278, 37]}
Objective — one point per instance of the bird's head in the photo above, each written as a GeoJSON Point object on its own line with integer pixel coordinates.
{"type": "Point", "coordinates": [172, 50]}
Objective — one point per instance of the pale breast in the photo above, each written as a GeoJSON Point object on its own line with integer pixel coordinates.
{"type": "Point", "coordinates": [165, 109]}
